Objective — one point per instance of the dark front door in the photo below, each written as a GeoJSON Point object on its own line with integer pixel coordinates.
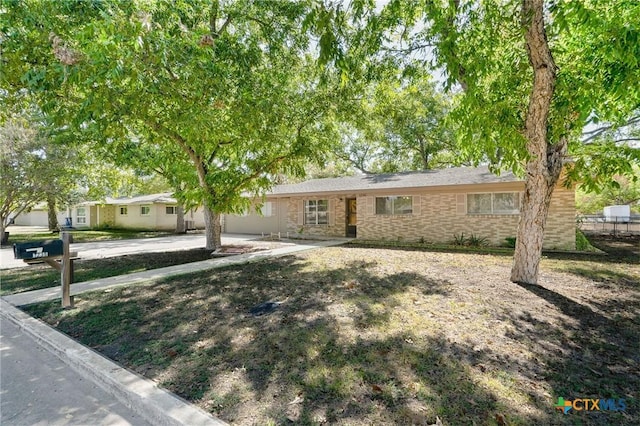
{"type": "Point", "coordinates": [352, 217]}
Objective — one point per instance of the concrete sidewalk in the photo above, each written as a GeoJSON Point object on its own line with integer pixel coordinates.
{"type": "Point", "coordinates": [130, 399]}
{"type": "Point", "coordinates": [38, 388]}
{"type": "Point", "coordinates": [52, 293]}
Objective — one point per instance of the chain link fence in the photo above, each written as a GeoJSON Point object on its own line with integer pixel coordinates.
{"type": "Point", "coordinates": [609, 224]}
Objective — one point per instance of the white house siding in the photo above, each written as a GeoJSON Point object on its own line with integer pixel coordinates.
{"type": "Point", "coordinates": [33, 218]}
{"type": "Point", "coordinates": [37, 217]}
{"type": "Point", "coordinates": [255, 223]}
{"type": "Point", "coordinates": [165, 221]}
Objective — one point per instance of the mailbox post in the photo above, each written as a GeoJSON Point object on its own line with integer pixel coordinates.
{"type": "Point", "coordinates": [54, 253]}
{"type": "Point", "coordinates": [66, 272]}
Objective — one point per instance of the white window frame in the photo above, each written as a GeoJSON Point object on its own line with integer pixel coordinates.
{"type": "Point", "coordinates": [494, 211]}
{"type": "Point", "coordinates": [124, 209]}
{"type": "Point", "coordinates": [312, 211]}
{"type": "Point", "coordinates": [392, 200]}
{"type": "Point", "coordinates": [142, 208]}
{"type": "Point", "coordinates": [174, 210]}
{"type": "Point", "coordinates": [81, 219]}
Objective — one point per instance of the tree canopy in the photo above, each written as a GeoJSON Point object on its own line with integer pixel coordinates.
{"type": "Point", "coordinates": [222, 96]}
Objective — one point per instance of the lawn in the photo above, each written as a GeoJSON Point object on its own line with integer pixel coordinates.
{"type": "Point", "coordinates": [89, 235]}
{"type": "Point", "coordinates": [35, 277]}
{"type": "Point", "coordinates": [367, 335]}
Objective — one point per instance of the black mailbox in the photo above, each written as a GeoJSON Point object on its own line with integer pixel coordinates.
{"type": "Point", "coordinates": [38, 249]}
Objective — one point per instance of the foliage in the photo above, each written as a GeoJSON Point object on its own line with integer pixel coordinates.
{"type": "Point", "coordinates": [219, 97]}
{"type": "Point", "coordinates": [620, 190]}
{"type": "Point", "coordinates": [459, 239]}
{"type": "Point", "coordinates": [582, 242]}
{"type": "Point", "coordinates": [400, 125]}
{"type": "Point", "coordinates": [476, 241]}
{"type": "Point", "coordinates": [21, 165]}
{"type": "Point", "coordinates": [510, 242]}
{"type": "Point", "coordinates": [470, 241]}
{"type": "Point", "coordinates": [583, 57]}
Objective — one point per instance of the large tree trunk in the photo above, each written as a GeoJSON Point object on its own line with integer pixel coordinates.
{"type": "Point", "coordinates": [180, 225]}
{"type": "Point", "coordinates": [212, 229]}
{"type": "Point", "coordinates": [52, 217]}
{"type": "Point", "coordinates": [545, 163]}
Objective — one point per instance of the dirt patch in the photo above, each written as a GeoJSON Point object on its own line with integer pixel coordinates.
{"type": "Point", "coordinates": [621, 247]}
{"type": "Point", "coordinates": [367, 336]}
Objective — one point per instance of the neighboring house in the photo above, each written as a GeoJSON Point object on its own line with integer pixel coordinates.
{"type": "Point", "coordinates": [430, 206]}
{"type": "Point", "coordinates": [37, 216]}
{"type": "Point", "coordinates": [154, 212]}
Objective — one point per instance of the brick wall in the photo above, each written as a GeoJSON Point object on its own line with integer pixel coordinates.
{"type": "Point", "coordinates": [436, 217]}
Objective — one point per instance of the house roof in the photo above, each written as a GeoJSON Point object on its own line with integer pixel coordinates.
{"type": "Point", "coordinates": [164, 198]}
{"type": "Point", "coordinates": [407, 180]}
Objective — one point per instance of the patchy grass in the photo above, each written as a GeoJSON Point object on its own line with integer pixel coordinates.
{"type": "Point", "coordinates": [379, 336]}
{"type": "Point", "coordinates": [40, 276]}
{"type": "Point", "coordinates": [85, 236]}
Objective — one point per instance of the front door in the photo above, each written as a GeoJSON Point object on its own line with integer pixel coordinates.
{"type": "Point", "coordinates": [352, 217]}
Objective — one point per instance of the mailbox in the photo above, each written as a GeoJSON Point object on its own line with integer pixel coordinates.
{"type": "Point", "coordinates": [38, 249]}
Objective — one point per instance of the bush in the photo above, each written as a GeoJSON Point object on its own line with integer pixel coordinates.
{"type": "Point", "coordinates": [476, 241]}
{"type": "Point", "coordinates": [582, 243]}
{"type": "Point", "coordinates": [459, 240]}
{"type": "Point", "coordinates": [510, 242]}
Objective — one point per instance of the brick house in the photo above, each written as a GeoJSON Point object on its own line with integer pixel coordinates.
{"type": "Point", "coordinates": [428, 206]}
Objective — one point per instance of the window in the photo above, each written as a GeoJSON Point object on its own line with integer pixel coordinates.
{"type": "Point", "coordinates": [493, 203]}
{"type": "Point", "coordinates": [145, 210]}
{"type": "Point", "coordinates": [394, 205]}
{"type": "Point", "coordinates": [171, 210]}
{"type": "Point", "coordinates": [81, 215]}
{"type": "Point", "coordinates": [267, 209]}
{"type": "Point", "coordinates": [123, 211]}
{"type": "Point", "coordinates": [316, 212]}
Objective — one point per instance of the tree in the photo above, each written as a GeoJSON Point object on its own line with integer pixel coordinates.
{"type": "Point", "coordinates": [622, 190]}
{"type": "Point", "coordinates": [228, 89]}
{"type": "Point", "coordinates": [402, 125]}
{"type": "Point", "coordinates": [35, 169]}
{"type": "Point", "coordinates": [530, 75]}
{"type": "Point", "coordinates": [21, 166]}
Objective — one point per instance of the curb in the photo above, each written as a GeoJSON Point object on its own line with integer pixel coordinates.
{"type": "Point", "coordinates": [144, 397]}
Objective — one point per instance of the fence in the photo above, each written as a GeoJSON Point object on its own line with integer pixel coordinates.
{"type": "Point", "coordinates": [610, 224]}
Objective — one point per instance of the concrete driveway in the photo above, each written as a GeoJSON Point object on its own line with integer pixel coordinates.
{"type": "Point", "coordinates": [121, 247]}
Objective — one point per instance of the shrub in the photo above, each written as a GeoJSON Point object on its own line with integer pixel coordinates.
{"type": "Point", "coordinates": [510, 242]}
{"type": "Point", "coordinates": [459, 240]}
{"type": "Point", "coordinates": [582, 243]}
{"type": "Point", "coordinates": [476, 241]}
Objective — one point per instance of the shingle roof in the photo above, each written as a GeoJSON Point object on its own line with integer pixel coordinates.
{"type": "Point", "coordinates": [164, 197]}
{"type": "Point", "coordinates": [430, 178]}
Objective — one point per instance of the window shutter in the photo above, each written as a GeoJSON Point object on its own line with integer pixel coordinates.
{"type": "Point", "coordinates": [300, 212]}
{"type": "Point", "coordinates": [416, 204]}
{"type": "Point", "coordinates": [331, 211]}
{"type": "Point", "coordinates": [461, 201]}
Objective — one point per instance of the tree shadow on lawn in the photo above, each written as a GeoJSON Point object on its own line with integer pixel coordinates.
{"type": "Point", "coordinates": [586, 353]}
{"type": "Point", "coordinates": [335, 349]}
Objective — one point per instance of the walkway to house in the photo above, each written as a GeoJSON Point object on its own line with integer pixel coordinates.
{"type": "Point", "coordinates": [37, 388]}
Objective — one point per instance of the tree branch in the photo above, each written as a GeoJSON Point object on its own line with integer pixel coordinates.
{"type": "Point", "coordinates": [594, 134]}
{"type": "Point", "coordinates": [182, 143]}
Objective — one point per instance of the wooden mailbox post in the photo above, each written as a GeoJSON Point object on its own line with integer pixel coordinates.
{"type": "Point", "coordinates": [54, 253]}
